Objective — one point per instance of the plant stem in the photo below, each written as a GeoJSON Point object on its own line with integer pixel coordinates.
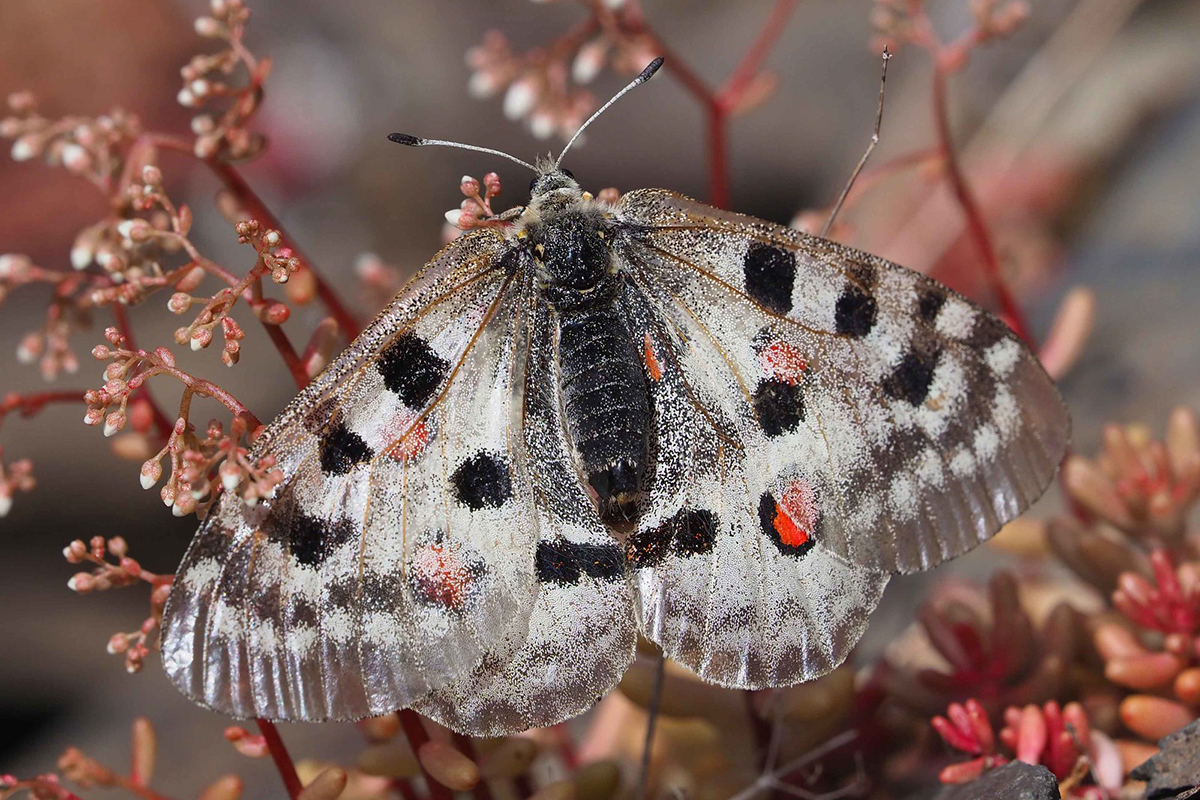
{"type": "Point", "coordinates": [720, 104]}
{"type": "Point", "coordinates": [966, 199]}
{"type": "Point", "coordinates": [414, 731]}
{"type": "Point", "coordinates": [279, 754]}
{"type": "Point", "coordinates": [29, 404]}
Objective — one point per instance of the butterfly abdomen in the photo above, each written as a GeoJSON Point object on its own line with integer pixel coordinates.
{"type": "Point", "coordinates": [607, 406]}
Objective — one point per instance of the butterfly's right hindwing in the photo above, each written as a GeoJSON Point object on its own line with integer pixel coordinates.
{"type": "Point", "coordinates": [399, 549]}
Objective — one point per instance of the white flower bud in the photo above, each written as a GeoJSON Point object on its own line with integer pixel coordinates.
{"type": "Point", "coordinates": [81, 256]}
{"type": "Point", "coordinates": [481, 85]}
{"type": "Point", "coordinates": [453, 216]}
{"type": "Point", "coordinates": [542, 126]}
{"type": "Point", "coordinates": [519, 99]}
{"type": "Point", "coordinates": [5, 504]}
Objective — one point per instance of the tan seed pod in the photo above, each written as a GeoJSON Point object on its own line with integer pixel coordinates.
{"type": "Point", "coordinates": [449, 767]}
{"type": "Point", "coordinates": [226, 787]}
{"type": "Point", "coordinates": [560, 790]}
{"type": "Point", "coordinates": [328, 785]}
{"type": "Point", "coordinates": [599, 780]}
{"type": "Point", "coordinates": [509, 759]}
{"type": "Point", "coordinates": [392, 759]}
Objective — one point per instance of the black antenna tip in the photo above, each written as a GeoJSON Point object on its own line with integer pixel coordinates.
{"type": "Point", "coordinates": [650, 69]}
{"type": "Point", "coordinates": [406, 139]}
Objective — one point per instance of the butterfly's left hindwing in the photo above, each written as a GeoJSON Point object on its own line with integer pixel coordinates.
{"type": "Point", "coordinates": [581, 632]}
{"type": "Point", "coordinates": [399, 548]}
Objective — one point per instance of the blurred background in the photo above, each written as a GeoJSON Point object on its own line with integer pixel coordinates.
{"type": "Point", "coordinates": [1081, 133]}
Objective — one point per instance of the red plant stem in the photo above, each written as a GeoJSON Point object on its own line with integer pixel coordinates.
{"type": "Point", "coordinates": [720, 104]}
{"type": "Point", "coordinates": [975, 222]}
{"type": "Point", "coordinates": [206, 388]}
{"type": "Point", "coordinates": [731, 91]}
{"type": "Point", "coordinates": [414, 731]}
{"type": "Point", "coordinates": [279, 754]}
{"type": "Point", "coordinates": [29, 404]}
{"type": "Point", "coordinates": [284, 345]}
{"type": "Point", "coordinates": [254, 205]}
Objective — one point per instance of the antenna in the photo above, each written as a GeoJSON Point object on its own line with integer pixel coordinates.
{"type": "Point", "coordinates": [416, 141]}
{"type": "Point", "coordinates": [646, 75]}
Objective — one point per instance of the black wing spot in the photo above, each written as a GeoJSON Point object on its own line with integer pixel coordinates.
{"type": "Point", "coordinates": [312, 540]}
{"type": "Point", "coordinates": [986, 331]}
{"type": "Point", "coordinates": [600, 561]}
{"type": "Point", "coordinates": [779, 406]}
{"type": "Point", "coordinates": [912, 377]}
{"type": "Point", "coordinates": [342, 448]}
{"type": "Point", "coordinates": [689, 532]}
{"type": "Point", "coordinates": [556, 563]}
{"type": "Point", "coordinates": [861, 272]}
{"type": "Point", "coordinates": [694, 531]}
{"type": "Point", "coordinates": [929, 302]}
{"type": "Point", "coordinates": [855, 312]}
{"type": "Point", "coordinates": [482, 481]}
{"type": "Point", "coordinates": [412, 369]}
{"type": "Point", "coordinates": [564, 563]}
{"type": "Point", "coordinates": [770, 274]}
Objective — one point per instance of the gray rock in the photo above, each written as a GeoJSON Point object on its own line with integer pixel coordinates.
{"type": "Point", "coordinates": [1015, 781]}
{"type": "Point", "coordinates": [1174, 773]}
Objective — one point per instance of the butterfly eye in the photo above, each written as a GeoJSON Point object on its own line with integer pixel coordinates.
{"type": "Point", "coordinates": [569, 174]}
{"type": "Point", "coordinates": [533, 183]}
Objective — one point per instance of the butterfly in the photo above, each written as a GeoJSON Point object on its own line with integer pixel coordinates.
{"type": "Point", "coordinates": [598, 421]}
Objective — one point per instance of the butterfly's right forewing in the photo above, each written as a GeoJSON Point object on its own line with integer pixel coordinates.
{"type": "Point", "coordinates": [399, 548]}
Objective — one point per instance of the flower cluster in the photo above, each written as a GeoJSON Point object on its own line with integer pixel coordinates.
{"type": "Point", "coordinates": [1137, 495]}
{"type": "Point", "coordinates": [476, 210]}
{"type": "Point", "coordinates": [991, 650]}
{"type": "Point", "coordinates": [14, 477]}
{"type": "Point", "coordinates": [223, 134]}
{"type": "Point", "coordinates": [900, 21]}
{"type": "Point", "coordinates": [1158, 657]}
{"type": "Point", "coordinates": [543, 85]}
{"type": "Point", "coordinates": [88, 147]}
{"type": "Point", "coordinates": [1086, 763]}
{"type": "Point", "coordinates": [121, 571]}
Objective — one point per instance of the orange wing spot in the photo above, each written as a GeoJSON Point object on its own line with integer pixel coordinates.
{"type": "Point", "coordinates": [412, 438]}
{"type": "Point", "coordinates": [782, 361]}
{"type": "Point", "coordinates": [651, 360]}
{"type": "Point", "coordinates": [789, 534]}
{"type": "Point", "coordinates": [796, 514]}
{"type": "Point", "coordinates": [441, 577]}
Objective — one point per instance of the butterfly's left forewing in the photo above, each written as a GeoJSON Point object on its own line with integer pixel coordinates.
{"type": "Point", "coordinates": [399, 548]}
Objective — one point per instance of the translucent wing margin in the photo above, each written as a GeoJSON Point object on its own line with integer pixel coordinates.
{"type": "Point", "coordinates": [913, 423]}
{"type": "Point", "coordinates": [399, 549]}
{"type": "Point", "coordinates": [581, 633]}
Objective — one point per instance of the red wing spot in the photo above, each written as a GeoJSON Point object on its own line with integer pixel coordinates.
{"type": "Point", "coordinates": [652, 365]}
{"type": "Point", "coordinates": [782, 361]}
{"type": "Point", "coordinates": [796, 514]}
{"type": "Point", "coordinates": [410, 439]}
{"type": "Point", "coordinates": [441, 578]}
